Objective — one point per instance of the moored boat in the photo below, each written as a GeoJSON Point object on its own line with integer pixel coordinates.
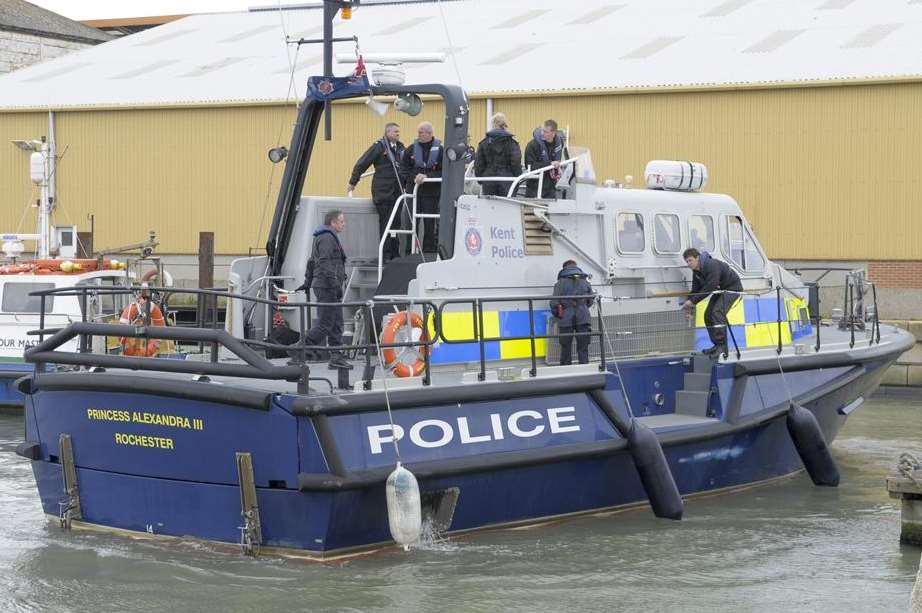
{"type": "Point", "coordinates": [287, 454]}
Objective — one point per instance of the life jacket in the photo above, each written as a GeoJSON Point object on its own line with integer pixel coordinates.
{"type": "Point", "coordinates": [547, 157]}
{"type": "Point", "coordinates": [388, 151]}
{"type": "Point", "coordinates": [433, 159]}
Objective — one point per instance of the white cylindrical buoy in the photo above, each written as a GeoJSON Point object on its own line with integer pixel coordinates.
{"type": "Point", "coordinates": [404, 511]}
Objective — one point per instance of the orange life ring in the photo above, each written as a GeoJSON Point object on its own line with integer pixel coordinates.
{"type": "Point", "coordinates": [390, 354]}
{"type": "Point", "coordinates": [132, 315]}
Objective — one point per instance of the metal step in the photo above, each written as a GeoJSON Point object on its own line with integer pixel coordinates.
{"type": "Point", "coordinates": [702, 364]}
{"type": "Point", "coordinates": [692, 403]}
{"type": "Point", "coordinates": [697, 382]}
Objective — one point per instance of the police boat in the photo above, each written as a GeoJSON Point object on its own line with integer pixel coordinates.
{"type": "Point", "coordinates": [456, 416]}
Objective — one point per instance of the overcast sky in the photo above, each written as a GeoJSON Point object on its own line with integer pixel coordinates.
{"type": "Point", "coordinates": [103, 9]}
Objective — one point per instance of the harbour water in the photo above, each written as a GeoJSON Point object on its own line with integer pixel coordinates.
{"type": "Point", "coordinates": [784, 547]}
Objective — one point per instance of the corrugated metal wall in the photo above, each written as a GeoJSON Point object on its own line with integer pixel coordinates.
{"type": "Point", "coordinates": [822, 172]}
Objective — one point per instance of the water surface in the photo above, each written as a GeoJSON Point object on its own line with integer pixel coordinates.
{"type": "Point", "coordinates": [785, 547]}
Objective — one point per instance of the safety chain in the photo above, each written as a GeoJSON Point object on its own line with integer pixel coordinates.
{"type": "Point", "coordinates": [249, 543]}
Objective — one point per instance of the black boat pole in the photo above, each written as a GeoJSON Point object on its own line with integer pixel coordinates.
{"type": "Point", "coordinates": [330, 8]}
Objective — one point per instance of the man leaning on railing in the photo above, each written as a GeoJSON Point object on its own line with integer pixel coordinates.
{"type": "Point", "coordinates": [572, 313]}
{"type": "Point", "coordinates": [715, 279]}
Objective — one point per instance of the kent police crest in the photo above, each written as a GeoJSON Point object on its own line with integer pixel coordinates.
{"type": "Point", "coordinates": [473, 241]}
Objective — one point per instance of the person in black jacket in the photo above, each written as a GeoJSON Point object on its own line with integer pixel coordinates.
{"type": "Point", "coordinates": [572, 313]}
{"type": "Point", "coordinates": [498, 155]}
{"type": "Point", "coordinates": [385, 154]}
{"type": "Point", "coordinates": [710, 276]}
{"type": "Point", "coordinates": [545, 149]}
{"type": "Point", "coordinates": [423, 160]}
{"type": "Point", "coordinates": [326, 274]}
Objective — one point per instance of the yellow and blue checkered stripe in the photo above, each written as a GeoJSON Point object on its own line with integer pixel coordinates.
{"type": "Point", "coordinates": [496, 324]}
{"type": "Point", "coordinates": [754, 322]}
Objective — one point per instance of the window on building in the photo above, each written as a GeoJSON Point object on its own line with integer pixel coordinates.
{"type": "Point", "coordinates": [629, 227]}
{"type": "Point", "coordinates": [16, 298]}
{"type": "Point", "coordinates": [701, 233]}
{"type": "Point", "coordinates": [740, 246]}
{"type": "Point", "coordinates": [667, 236]}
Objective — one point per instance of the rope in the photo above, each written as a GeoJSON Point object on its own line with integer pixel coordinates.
{"type": "Point", "coordinates": [909, 464]}
{"type": "Point", "coordinates": [451, 46]}
{"type": "Point", "coordinates": [387, 398]}
{"type": "Point", "coordinates": [614, 359]}
{"type": "Point", "coordinates": [292, 86]}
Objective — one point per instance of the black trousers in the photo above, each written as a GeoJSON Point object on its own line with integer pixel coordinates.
{"type": "Point", "coordinates": [494, 189]}
{"type": "Point", "coordinates": [715, 316]}
{"type": "Point", "coordinates": [328, 327]}
{"type": "Point", "coordinates": [429, 204]}
{"type": "Point", "coordinates": [566, 343]}
{"type": "Point", "coordinates": [392, 244]}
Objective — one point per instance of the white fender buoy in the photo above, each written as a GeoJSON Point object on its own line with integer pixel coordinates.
{"type": "Point", "coordinates": [404, 511]}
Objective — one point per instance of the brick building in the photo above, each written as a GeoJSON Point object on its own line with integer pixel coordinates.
{"type": "Point", "coordinates": [29, 34]}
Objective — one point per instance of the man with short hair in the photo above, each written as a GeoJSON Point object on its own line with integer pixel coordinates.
{"type": "Point", "coordinates": [326, 274]}
{"type": "Point", "coordinates": [715, 279]}
{"type": "Point", "coordinates": [423, 160]}
{"type": "Point", "coordinates": [572, 313]}
{"type": "Point", "coordinates": [545, 149]}
{"type": "Point", "coordinates": [385, 154]}
{"type": "Point", "coordinates": [498, 155]}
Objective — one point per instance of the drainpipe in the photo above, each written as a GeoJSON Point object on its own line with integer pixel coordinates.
{"type": "Point", "coordinates": [489, 113]}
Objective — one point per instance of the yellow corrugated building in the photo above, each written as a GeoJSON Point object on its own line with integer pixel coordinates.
{"type": "Point", "coordinates": [822, 172]}
{"type": "Point", "coordinates": [168, 130]}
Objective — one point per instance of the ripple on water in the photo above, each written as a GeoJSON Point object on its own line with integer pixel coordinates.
{"type": "Point", "coordinates": [785, 547]}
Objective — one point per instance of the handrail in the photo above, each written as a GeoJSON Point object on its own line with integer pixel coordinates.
{"type": "Point", "coordinates": [258, 367]}
{"type": "Point", "coordinates": [539, 172]}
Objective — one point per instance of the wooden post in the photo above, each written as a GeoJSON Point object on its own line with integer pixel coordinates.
{"type": "Point", "coordinates": [84, 245]}
{"type": "Point", "coordinates": [205, 259]}
{"type": "Point", "coordinates": [909, 490]}
{"type": "Point", "coordinates": [916, 597]}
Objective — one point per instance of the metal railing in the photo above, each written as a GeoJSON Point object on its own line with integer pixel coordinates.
{"type": "Point", "coordinates": [434, 332]}
{"type": "Point", "coordinates": [401, 203]}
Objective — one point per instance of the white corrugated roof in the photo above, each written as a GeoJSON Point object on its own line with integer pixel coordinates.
{"type": "Point", "coordinates": [503, 45]}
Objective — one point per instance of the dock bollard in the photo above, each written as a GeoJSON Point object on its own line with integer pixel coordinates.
{"type": "Point", "coordinates": [905, 483]}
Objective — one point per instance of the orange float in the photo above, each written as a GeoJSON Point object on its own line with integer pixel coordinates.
{"type": "Point", "coordinates": [388, 335]}
{"type": "Point", "coordinates": [133, 315]}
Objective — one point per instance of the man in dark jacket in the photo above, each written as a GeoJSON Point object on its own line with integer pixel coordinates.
{"type": "Point", "coordinates": [498, 155]}
{"type": "Point", "coordinates": [710, 276]}
{"type": "Point", "coordinates": [572, 313]}
{"type": "Point", "coordinates": [385, 154]}
{"type": "Point", "coordinates": [326, 274]}
{"type": "Point", "coordinates": [423, 160]}
{"type": "Point", "coordinates": [545, 149]}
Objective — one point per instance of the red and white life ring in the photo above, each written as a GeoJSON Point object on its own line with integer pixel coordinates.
{"type": "Point", "coordinates": [389, 334]}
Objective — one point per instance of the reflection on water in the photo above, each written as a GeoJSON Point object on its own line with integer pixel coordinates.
{"type": "Point", "coordinates": [787, 547]}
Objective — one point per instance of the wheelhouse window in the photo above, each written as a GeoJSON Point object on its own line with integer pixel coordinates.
{"type": "Point", "coordinates": [629, 227]}
{"type": "Point", "coordinates": [16, 298]}
{"type": "Point", "coordinates": [740, 246]}
{"type": "Point", "coordinates": [666, 234]}
{"type": "Point", "coordinates": [701, 233]}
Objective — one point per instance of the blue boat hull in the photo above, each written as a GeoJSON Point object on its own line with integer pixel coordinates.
{"type": "Point", "coordinates": [179, 478]}
{"type": "Point", "coordinates": [10, 372]}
